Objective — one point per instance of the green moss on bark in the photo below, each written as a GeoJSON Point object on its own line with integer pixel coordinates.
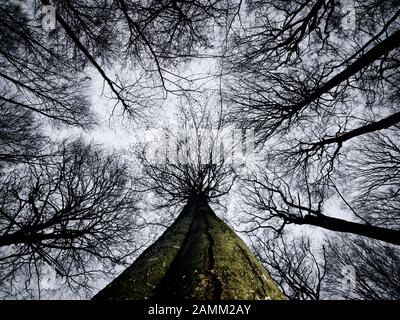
{"type": "Point", "coordinates": [198, 257]}
{"type": "Point", "coordinates": [141, 279]}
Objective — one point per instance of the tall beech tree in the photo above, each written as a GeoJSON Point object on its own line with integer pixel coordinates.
{"type": "Point", "coordinates": [54, 202]}
{"type": "Point", "coordinates": [198, 256]}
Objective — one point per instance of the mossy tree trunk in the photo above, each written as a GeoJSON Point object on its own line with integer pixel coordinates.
{"type": "Point", "coordinates": [197, 257]}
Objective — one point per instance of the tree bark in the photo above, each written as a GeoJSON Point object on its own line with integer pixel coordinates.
{"type": "Point", "coordinates": [197, 257]}
{"type": "Point", "coordinates": [366, 230]}
{"type": "Point", "coordinates": [368, 128]}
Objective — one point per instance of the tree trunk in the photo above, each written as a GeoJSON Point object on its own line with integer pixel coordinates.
{"type": "Point", "coordinates": [384, 47]}
{"type": "Point", "coordinates": [197, 257]}
{"type": "Point", "coordinates": [335, 224]}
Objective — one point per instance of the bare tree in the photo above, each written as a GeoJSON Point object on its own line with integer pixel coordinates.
{"type": "Point", "coordinates": [20, 137]}
{"type": "Point", "coordinates": [374, 166]}
{"type": "Point", "coordinates": [73, 206]}
{"type": "Point", "coordinates": [270, 202]}
{"type": "Point", "coordinates": [46, 72]}
{"type": "Point", "coordinates": [341, 267]}
{"type": "Point", "coordinates": [73, 211]}
{"type": "Point", "coordinates": [299, 269]}
{"type": "Point", "coordinates": [35, 74]}
{"type": "Point", "coordinates": [376, 268]}
{"type": "Point", "coordinates": [195, 158]}
{"type": "Point", "coordinates": [312, 100]}
{"type": "Point", "coordinates": [151, 37]}
{"type": "Point", "coordinates": [198, 256]}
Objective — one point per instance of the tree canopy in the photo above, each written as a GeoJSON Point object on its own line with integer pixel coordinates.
{"type": "Point", "coordinates": [317, 81]}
